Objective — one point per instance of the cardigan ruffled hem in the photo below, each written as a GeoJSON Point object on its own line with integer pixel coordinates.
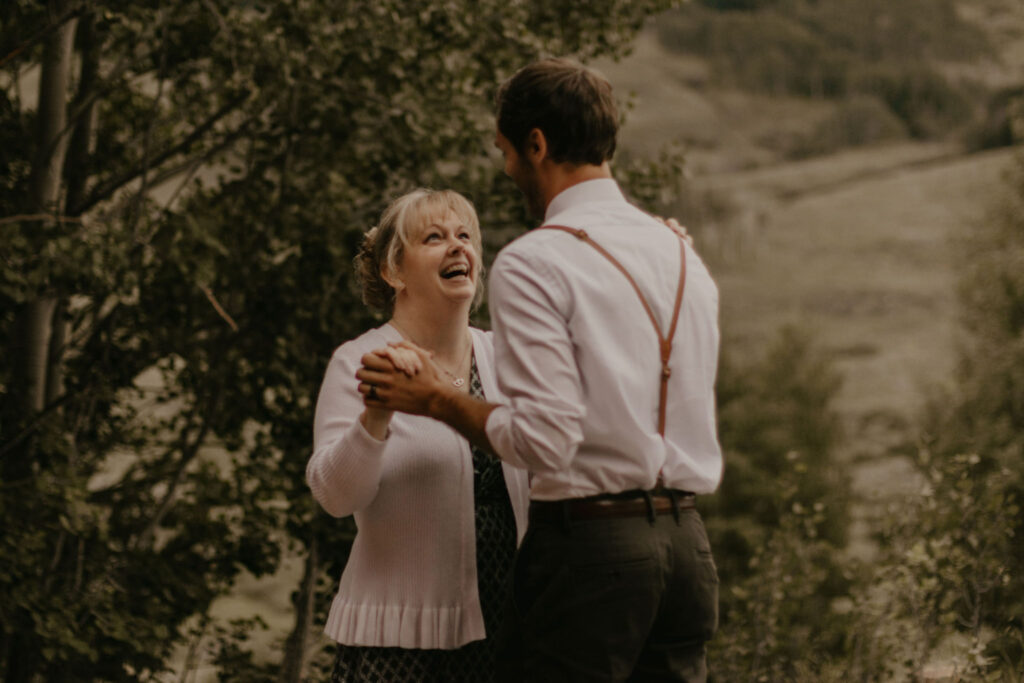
{"type": "Point", "coordinates": [422, 628]}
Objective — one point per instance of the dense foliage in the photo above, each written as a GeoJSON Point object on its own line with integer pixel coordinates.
{"type": "Point", "coordinates": [778, 523]}
{"type": "Point", "coordinates": [981, 423]}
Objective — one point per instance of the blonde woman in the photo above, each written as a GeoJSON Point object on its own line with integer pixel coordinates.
{"type": "Point", "coordinates": [438, 521]}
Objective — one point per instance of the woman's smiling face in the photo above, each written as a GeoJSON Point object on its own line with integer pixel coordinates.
{"type": "Point", "coordinates": [440, 262]}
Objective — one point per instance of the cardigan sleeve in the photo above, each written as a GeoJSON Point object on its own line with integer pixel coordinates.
{"type": "Point", "coordinates": [344, 471]}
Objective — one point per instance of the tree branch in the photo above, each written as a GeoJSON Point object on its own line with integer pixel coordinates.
{"type": "Point", "coordinates": [39, 217]}
{"type": "Point", "coordinates": [217, 307]}
{"type": "Point", "coordinates": [34, 423]}
{"type": "Point", "coordinates": [226, 142]}
{"type": "Point", "coordinates": [103, 190]}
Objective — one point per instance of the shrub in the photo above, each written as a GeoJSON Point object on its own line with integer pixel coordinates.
{"type": "Point", "coordinates": [918, 95]}
{"type": "Point", "coordinates": [859, 120]}
{"type": "Point", "coordinates": [997, 125]}
{"type": "Point", "coordinates": [946, 568]}
{"type": "Point", "coordinates": [781, 514]}
{"type": "Point", "coordinates": [778, 618]}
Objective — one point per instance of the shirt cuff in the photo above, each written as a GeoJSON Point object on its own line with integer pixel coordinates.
{"type": "Point", "coordinates": [365, 440]}
{"type": "Point", "coordinates": [499, 432]}
{"type": "Point", "coordinates": [353, 454]}
{"type": "Point", "coordinates": [366, 437]}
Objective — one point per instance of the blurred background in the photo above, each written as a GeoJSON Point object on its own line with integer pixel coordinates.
{"type": "Point", "coordinates": [183, 185]}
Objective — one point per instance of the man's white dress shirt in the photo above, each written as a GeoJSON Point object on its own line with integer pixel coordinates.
{"type": "Point", "coordinates": [578, 358]}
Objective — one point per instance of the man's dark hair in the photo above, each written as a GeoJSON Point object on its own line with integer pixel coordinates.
{"type": "Point", "coordinates": [572, 105]}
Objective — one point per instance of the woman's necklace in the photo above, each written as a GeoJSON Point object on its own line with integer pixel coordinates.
{"type": "Point", "coordinates": [457, 381]}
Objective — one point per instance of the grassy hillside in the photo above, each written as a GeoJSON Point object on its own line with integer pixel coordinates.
{"type": "Point", "coordinates": [868, 265]}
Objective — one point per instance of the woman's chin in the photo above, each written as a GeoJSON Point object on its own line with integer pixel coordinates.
{"type": "Point", "coordinates": [460, 286]}
{"type": "Point", "coordinates": [464, 295]}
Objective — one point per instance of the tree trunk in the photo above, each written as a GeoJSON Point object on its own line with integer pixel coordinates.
{"type": "Point", "coordinates": [45, 180]}
{"type": "Point", "coordinates": [35, 319]}
{"type": "Point", "coordinates": [77, 170]}
{"type": "Point", "coordinates": [295, 646]}
{"type": "Point", "coordinates": [31, 346]}
{"type": "Point", "coordinates": [76, 173]}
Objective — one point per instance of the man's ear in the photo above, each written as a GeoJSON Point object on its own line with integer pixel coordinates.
{"type": "Point", "coordinates": [536, 145]}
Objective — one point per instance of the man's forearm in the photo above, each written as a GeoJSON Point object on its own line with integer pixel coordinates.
{"type": "Point", "coordinates": [464, 414]}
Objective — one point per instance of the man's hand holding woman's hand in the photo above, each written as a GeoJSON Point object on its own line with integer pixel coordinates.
{"type": "Point", "coordinates": [403, 358]}
{"type": "Point", "coordinates": [400, 376]}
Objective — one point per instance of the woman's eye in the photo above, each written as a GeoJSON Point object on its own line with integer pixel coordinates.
{"type": "Point", "coordinates": [432, 237]}
{"type": "Point", "coordinates": [464, 236]}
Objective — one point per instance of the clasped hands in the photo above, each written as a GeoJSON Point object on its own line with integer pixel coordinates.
{"type": "Point", "coordinates": [400, 376]}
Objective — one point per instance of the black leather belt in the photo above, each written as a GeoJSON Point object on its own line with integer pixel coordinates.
{"type": "Point", "coordinates": [626, 504]}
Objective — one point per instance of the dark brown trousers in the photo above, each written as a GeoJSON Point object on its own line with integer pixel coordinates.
{"type": "Point", "coordinates": [623, 599]}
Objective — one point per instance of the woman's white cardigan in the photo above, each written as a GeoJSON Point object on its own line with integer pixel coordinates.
{"type": "Point", "coordinates": [411, 577]}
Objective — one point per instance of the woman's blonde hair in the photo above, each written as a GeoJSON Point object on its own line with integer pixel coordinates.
{"type": "Point", "coordinates": [383, 245]}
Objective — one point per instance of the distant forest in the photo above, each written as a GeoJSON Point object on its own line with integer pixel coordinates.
{"type": "Point", "coordinates": [883, 62]}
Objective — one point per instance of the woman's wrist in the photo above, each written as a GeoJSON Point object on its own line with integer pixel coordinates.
{"type": "Point", "coordinates": [376, 422]}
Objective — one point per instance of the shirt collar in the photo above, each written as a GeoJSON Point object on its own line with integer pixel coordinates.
{"type": "Point", "coordinates": [586, 192]}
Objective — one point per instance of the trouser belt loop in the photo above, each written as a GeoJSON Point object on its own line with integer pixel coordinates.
{"type": "Point", "coordinates": [651, 514]}
{"type": "Point", "coordinates": [566, 517]}
{"type": "Point", "coordinates": [674, 497]}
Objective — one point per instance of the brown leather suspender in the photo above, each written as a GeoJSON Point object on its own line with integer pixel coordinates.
{"type": "Point", "coordinates": [664, 342]}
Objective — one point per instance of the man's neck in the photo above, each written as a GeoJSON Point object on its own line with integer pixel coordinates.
{"type": "Point", "coordinates": [557, 178]}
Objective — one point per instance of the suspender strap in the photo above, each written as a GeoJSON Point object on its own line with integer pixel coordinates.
{"type": "Point", "coordinates": [664, 341]}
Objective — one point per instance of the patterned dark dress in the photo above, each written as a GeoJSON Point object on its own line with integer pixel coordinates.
{"type": "Point", "coordinates": [495, 552]}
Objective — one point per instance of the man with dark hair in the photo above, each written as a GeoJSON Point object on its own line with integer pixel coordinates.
{"type": "Point", "coordinates": [549, 94]}
{"type": "Point", "coordinates": [608, 371]}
